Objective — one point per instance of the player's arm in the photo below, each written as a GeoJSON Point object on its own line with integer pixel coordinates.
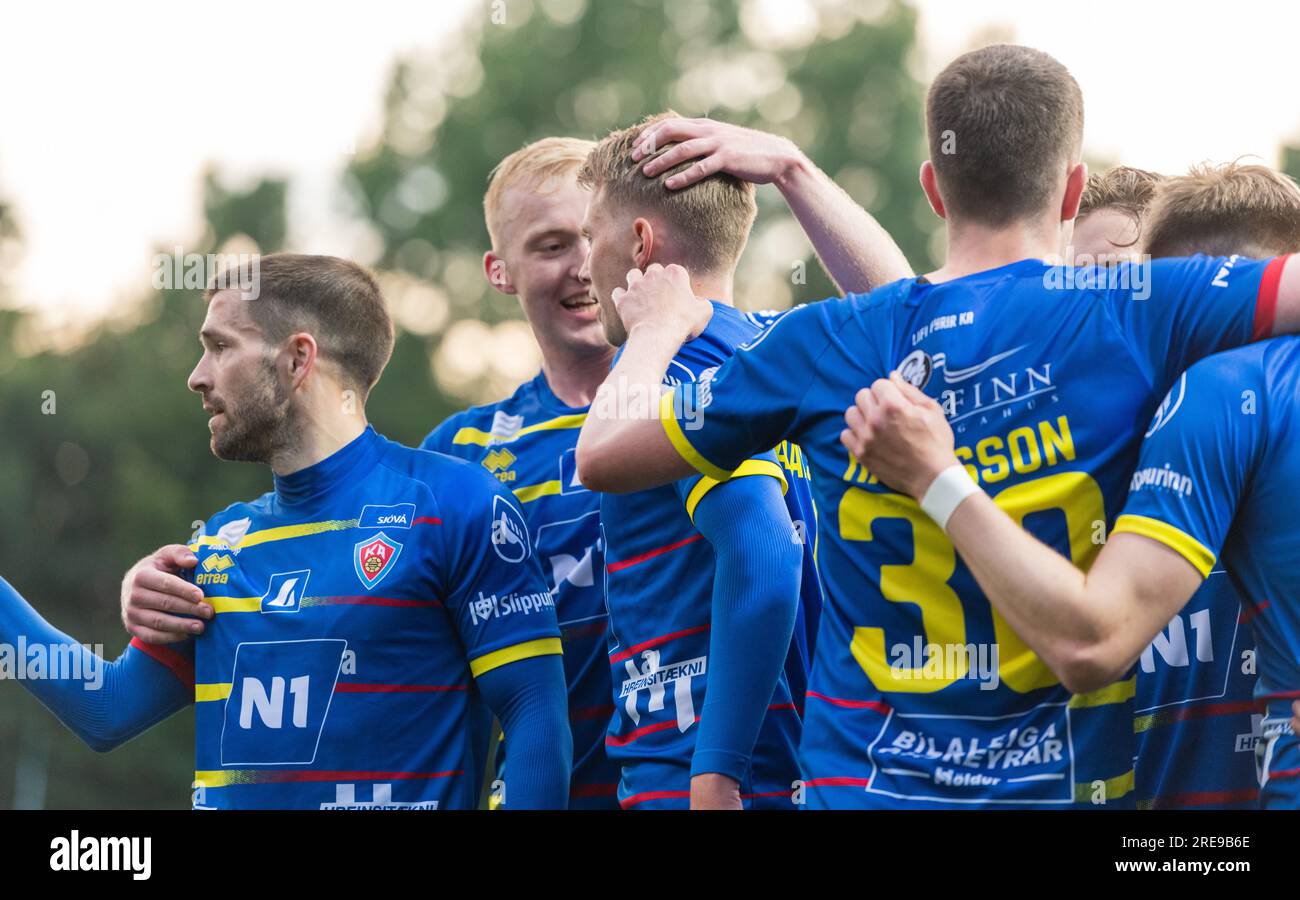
{"type": "Point", "coordinates": [159, 606]}
{"type": "Point", "coordinates": [1175, 312]}
{"type": "Point", "coordinates": [1088, 627]}
{"type": "Point", "coordinates": [750, 405]}
{"type": "Point", "coordinates": [856, 251]}
{"type": "Point", "coordinates": [755, 600]}
{"type": "Point", "coordinates": [104, 703]}
{"type": "Point", "coordinates": [530, 698]}
{"type": "Point", "coordinates": [515, 659]}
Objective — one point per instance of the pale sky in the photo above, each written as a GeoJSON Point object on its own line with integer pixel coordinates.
{"type": "Point", "coordinates": [108, 117]}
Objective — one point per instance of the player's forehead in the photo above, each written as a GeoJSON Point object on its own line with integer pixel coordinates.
{"type": "Point", "coordinates": [532, 209]}
{"type": "Point", "coordinates": [228, 314]}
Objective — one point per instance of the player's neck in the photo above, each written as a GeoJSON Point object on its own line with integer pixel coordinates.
{"type": "Point", "coordinates": [575, 377]}
{"type": "Point", "coordinates": [977, 248]}
{"type": "Point", "coordinates": [320, 435]}
{"type": "Point", "coordinates": [713, 287]}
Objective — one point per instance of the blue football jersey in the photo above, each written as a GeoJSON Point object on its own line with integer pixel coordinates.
{"type": "Point", "coordinates": [921, 695]}
{"type": "Point", "coordinates": [659, 581]}
{"type": "Point", "coordinates": [1219, 479]}
{"type": "Point", "coordinates": [804, 514]}
{"type": "Point", "coordinates": [1197, 723]}
{"type": "Point", "coordinates": [527, 442]}
{"type": "Point", "coordinates": [355, 604]}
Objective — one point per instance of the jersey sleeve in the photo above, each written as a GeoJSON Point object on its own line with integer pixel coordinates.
{"type": "Point", "coordinates": [695, 488]}
{"type": "Point", "coordinates": [753, 400]}
{"type": "Point", "coordinates": [1197, 459]}
{"type": "Point", "coordinates": [1174, 312]}
{"type": "Point", "coordinates": [494, 587]}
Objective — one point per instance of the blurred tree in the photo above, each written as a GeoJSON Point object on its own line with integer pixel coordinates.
{"type": "Point", "coordinates": [838, 82]}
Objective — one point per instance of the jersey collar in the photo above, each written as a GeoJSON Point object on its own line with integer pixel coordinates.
{"type": "Point", "coordinates": [301, 486]}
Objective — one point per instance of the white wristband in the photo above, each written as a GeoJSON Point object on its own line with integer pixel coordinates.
{"type": "Point", "coordinates": [949, 488]}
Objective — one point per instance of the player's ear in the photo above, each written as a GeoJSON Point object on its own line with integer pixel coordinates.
{"type": "Point", "coordinates": [930, 185]}
{"type": "Point", "coordinates": [643, 246]}
{"type": "Point", "coordinates": [300, 357]}
{"type": "Point", "coordinates": [1075, 182]}
{"type": "Point", "coordinates": [498, 273]}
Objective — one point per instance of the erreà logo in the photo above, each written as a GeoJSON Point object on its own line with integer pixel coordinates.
{"type": "Point", "coordinates": [374, 558]}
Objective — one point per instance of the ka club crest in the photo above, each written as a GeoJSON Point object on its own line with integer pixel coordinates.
{"type": "Point", "coordinates": [374, 558]}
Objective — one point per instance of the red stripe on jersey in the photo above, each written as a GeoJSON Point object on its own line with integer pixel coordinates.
{"type": "Point", "coordinates": [837, 782]}
{"type": "Point", "coordinates": [651, 554]}
{"type": "Point", "coordinates": [180, 666]}
{"type": "Point", "coordinates": [1210, 710]}
{"type": "Point", "coordinates": [622, 740]}
{"type": "Point", "coordinates": [629, 802]}
{"type": "Point", "coordinates": [426, 520]}
{"type": "Point", "coordinates": [381, 601]}
{"type": "Point", "coordinates": [351, 687]}
{"type": "Point", "coordinates": [1252, 611]}
{"type": "Point", "coordinates": [1204, 798]}
{"type": "Point", "coordinates": [312, 775]}
{"type": "Point", "coordinates": [1281, 695]}
{"type": "Point", "coordinates": [783, 706]}
{"type": "Point", "coordinates": [877, 705]}
{"type": "Point", "coordinates": [1283, 773]}
{"type": "Point", "coordinates": [1266, 302]}
{"type": "Point", "coordinates": [655, 642]}
{"type": "Point", "coordinates": [593, 790]}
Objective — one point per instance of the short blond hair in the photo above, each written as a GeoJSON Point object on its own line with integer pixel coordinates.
{"type": "Point", "coordinates": [1250, 210]}
{"type": "Point", "coordinates": [539, 165]}
{"type": "Point", "coordinates": [715, 214]}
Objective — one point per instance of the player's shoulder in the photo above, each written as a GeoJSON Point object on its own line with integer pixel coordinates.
{"type": "Point", "coordinates": [728, 328]}
{"type": "Point", "coordinates": [456, 485]}
{"type": "Point", "coordinates": [483, 419]}
{"type": "Point", "coordinates": [228, 526]}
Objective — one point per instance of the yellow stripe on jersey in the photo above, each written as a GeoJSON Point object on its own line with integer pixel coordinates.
{"type": "Point", "coordinates": [281, 533]}
{"type": "Point", "coordinates": [213, 779]}
{"type": "Point", "coordinates": [533, 491]}
{"type": "Point", "coordinates": [1175, 539]}
{"type": "Point", "coordinates": [1114, 788]}
{"type": "Point", "coordinates": [748, 467]}
{"type": "Point", "coordinates": [677, 438]}
{"type": "Point", "coordinates": [206, 692]}
{"type": "Point", "coordinates": [234, 604]}
{"type": "Point", "coordinates": [484, 438]}
{"type": "Point", "coordinates": [1118, 692]}
{"type": "Point", "coordinates": [498, 658]}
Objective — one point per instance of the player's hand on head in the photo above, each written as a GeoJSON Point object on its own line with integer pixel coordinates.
{"type": "Point", "coordinates": [743, 153]}
{"type": "Point", "coordinates": [156, 600]}
{"type": "Point", "coordinates": [898, 434]}
{"type": "Point", "coordinates": [1295, 716]}
{"type": "Point", "coordinates": [661, 298]}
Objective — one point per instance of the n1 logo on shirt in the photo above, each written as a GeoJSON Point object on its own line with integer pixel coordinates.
{"type": "Point", "coordinates": [285, 592]}
{"type": "Point", "coordinates": [509, 532]}
{"type": "Point", "coordinates": [280, 694]}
